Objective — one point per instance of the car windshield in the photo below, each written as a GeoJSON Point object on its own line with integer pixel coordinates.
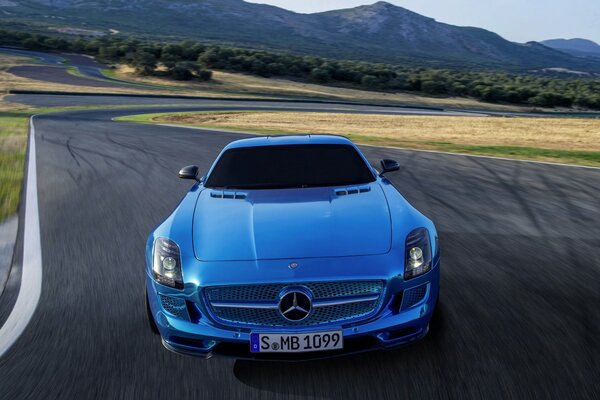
{"type": "Point", "coordinates": [289, 166]}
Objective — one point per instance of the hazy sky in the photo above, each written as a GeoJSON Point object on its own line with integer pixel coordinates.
{"type": "Point", "coordinates": [517, 20]}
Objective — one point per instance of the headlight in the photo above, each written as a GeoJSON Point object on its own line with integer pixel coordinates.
{"type": "Point", "coordinates": [418, 254]}
{"type": "Point", "coordinates": [167, 263]}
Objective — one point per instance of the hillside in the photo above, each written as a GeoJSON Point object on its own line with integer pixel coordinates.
{"type": "Point", "coordinates": [576, 47]}
{"type": "Point", "coordinates": [378, 32]}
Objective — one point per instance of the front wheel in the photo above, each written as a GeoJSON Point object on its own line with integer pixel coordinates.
{"type": "Point", "coordinates": [151, 320]}
{"type": "Point", "coordinates": [436, 323]}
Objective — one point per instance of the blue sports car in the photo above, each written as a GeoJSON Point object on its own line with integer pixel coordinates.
{"type": "Point", "coordinates": [291, 247]}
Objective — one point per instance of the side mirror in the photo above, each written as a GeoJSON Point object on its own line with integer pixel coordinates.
{"type": "Point", "coordinates": [189, 172]}
{"type": "Point", "coordinates": [389, 166]}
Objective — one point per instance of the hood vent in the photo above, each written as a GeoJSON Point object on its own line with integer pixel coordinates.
{"type": "Point", "coordinates": [218, 194]}
{"type": "Point", "coordinates": [352, 190]}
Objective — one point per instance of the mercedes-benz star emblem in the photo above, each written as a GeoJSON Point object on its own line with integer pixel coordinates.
{"type": "Point", "coordinates": [294, 265]}
{"type": "Point", "coordinates": [295, 305]}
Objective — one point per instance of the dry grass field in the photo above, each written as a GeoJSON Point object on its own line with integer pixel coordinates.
{"type": "Point", "coordinates": [551, 133]}
{"type": "Point", "coordinates": [568, 140]}
{"type": "Point", "coordinates": [225, 82]}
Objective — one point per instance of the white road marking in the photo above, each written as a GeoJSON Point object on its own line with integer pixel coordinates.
{"type": "Point", "coordinates": [397, 148]}
{"type": "Point", "coordinates": [31, 278]}
{"type": "Point", "coordinates": [199, 128]}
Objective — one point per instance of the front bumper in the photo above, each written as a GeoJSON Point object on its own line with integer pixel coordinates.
{"type": "Point", "coordinates": [390, 328]}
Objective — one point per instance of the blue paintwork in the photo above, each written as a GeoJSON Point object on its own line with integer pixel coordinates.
{"type": "Point", "coordinates": [252, 239]}
{"type": "Point", "coordinates": [261, 225]}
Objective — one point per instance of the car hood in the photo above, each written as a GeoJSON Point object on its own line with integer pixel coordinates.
{"type": "Point", "coordinates": [291, 223]}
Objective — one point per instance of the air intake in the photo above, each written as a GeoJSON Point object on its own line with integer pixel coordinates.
{"type": "Point", "coordinates": [174, 306]}
{"type": "Point", "coordinates": [352, 190]}
{"type": "Point", "coordinates": [414, 296]}
{"type": "Point", "coordinates": [218, 194]}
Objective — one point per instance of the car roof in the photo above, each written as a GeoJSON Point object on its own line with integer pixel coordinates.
{"type": "Point", "coordinates": [288, 140]}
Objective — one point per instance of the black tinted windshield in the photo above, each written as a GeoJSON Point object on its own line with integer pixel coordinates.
{"type": "Point", "coordinates": [288, 166]}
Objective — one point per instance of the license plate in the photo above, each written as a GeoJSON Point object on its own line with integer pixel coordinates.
{"type": "Point", "coordinates": [295, 342]}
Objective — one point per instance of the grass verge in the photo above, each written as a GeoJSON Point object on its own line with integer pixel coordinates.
{"type": "Point", "coordinates": [13, 143]}
{"type": "Point", "coordinates": [109, 73]}
{"type": "Point", "coordinates": [561, 140]}
{"type": "Point", "coordinates": [74, 71]}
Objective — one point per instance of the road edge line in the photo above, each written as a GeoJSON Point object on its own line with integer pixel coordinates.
{"type": "Point", "coordinates": [199, 128]}
{"type": "Point", "coordinates": [31, 275]}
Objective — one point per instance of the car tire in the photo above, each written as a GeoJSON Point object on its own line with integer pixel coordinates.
{"type": "Point", "coordinates": [151, 320]}
{"type": "Point", "coordinates": [436, 324]}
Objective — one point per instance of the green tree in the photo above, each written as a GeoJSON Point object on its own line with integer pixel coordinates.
{"type": "Point", "coordinates": [32, 43]}
{"type": "Point", "coordinates": [320, 75]}
{"type": "Point", "coordinates": [370, 81]}
{"type": "Point", "coordinates": [181, 72]}
{"type": "Point", "coordinates": [433, 87]}
{"type": "Point", "coordinates": [204, 74]}
{"type": "Point", "coordinates": [144, 62]}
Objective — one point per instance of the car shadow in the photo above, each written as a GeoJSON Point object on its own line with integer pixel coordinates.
{"type": "Point", "coordinates": [352, 376]}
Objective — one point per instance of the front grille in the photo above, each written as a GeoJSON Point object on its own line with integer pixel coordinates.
{"type": "Point", "coordinates": [414, 296]}
{"type": "Point", "coordinates": [322, 315]}
{"type": "Point", "coordinates": [174, 306]}
{"type": "Point", "coordinates": [354, 300]}
{"type": "Point", "coordinates": [269, 292]}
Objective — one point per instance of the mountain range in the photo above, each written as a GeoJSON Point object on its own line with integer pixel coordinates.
{"type": "Point", "coordinates": [379, 32]}
{"type": "Point", "coordinates": [577, 47]}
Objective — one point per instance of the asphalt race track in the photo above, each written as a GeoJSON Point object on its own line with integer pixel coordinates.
{"type": "Point", "coordinates": [520, 276]}
{"type": "Point", "coordinates": [42, 57]}
{"type": "Point", "coordinates": [54, 69]}
{"type": "Point", "coordinates": [58, 75]}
